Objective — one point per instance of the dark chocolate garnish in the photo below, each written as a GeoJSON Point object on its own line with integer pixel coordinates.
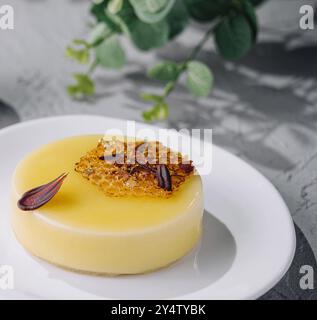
{"type": "Point", "coordinates": [164, 177]}
{"type": "Point", "coordinates": [112, 158]}
{"type": "Point", "coordinates": [37, 197]}
{"type": "Point", "coordinates": [186, 167]}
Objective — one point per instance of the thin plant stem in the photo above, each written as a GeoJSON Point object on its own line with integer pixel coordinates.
{"type": "Point", "coordinates": [171, 85]}
{"type": "Point", "coordinates": [92, 67]}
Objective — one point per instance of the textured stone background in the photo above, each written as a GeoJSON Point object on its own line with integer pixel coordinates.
{"type": "Point", "coordinates": [263, 108]}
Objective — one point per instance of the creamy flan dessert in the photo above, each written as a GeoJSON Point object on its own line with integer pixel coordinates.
{"type": "Point", "coordinates": [106, 216]}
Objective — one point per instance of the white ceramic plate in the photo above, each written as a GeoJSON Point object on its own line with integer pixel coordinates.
{"type": "Point", "coordinates": [248, 241]}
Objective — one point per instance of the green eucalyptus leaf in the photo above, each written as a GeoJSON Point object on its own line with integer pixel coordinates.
{"type": "Point", "coordinates": [80, 55]}
{"type": "Point", "coordinates": [98, 10]}
{"type": "Point", "coordinates": [98, 34]}
{"type": "Point", "coordinates": [158, 112]}
{"type": "Point", "coordinates": [110, 53]}
{"type": "Point", "coordinates": [206, 10]}
{"type": "Point", "coordinates": [152, 11]}
{"type": "Point", "coordinates": [177, 19]}
{"type": "Point", "coordinates": [144, 36]}
{"type": "Point", "coordinates": [149, 36]}
{"type": "Point", "coordinates": [233, 36]}
{"type": "Point", "coordinates": [124, 17]}
{"type": "Point", "coordinates": [114, 6]}
{"type": "Point", "coordinates": [154, 5]}
{"type": "Point", "coordinates": [164, 71]}
{"type": "Point", "coordinates": [199, 78]}
{"type": "Point", "coordinates": [84, 86]}
{"type": "Point", "coordinates": [250, 14]}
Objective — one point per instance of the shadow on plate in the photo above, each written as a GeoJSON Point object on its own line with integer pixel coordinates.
{"type": "Point", "coordinates": [207, 263]}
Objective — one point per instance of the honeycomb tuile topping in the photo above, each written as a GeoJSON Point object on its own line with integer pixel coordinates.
{"type": "Point", "coordinates": [116, 171]}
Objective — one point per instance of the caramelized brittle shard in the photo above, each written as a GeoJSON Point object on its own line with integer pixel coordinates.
{"type": "Point", "coordinates": [120, 172]}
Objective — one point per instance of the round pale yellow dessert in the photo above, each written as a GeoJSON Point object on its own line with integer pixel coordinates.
{"type": "Point", "coordinates": [85, 230]}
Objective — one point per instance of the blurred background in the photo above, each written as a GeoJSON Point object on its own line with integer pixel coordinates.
{"type": "Point", "coordinates": [263, 107]}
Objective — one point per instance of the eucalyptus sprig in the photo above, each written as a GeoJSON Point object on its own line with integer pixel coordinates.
{"type": "Point", "coordinates": [151, 24]}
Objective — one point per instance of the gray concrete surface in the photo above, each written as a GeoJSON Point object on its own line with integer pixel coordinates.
{"type": "Point", "coordinates": [263, 108]}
